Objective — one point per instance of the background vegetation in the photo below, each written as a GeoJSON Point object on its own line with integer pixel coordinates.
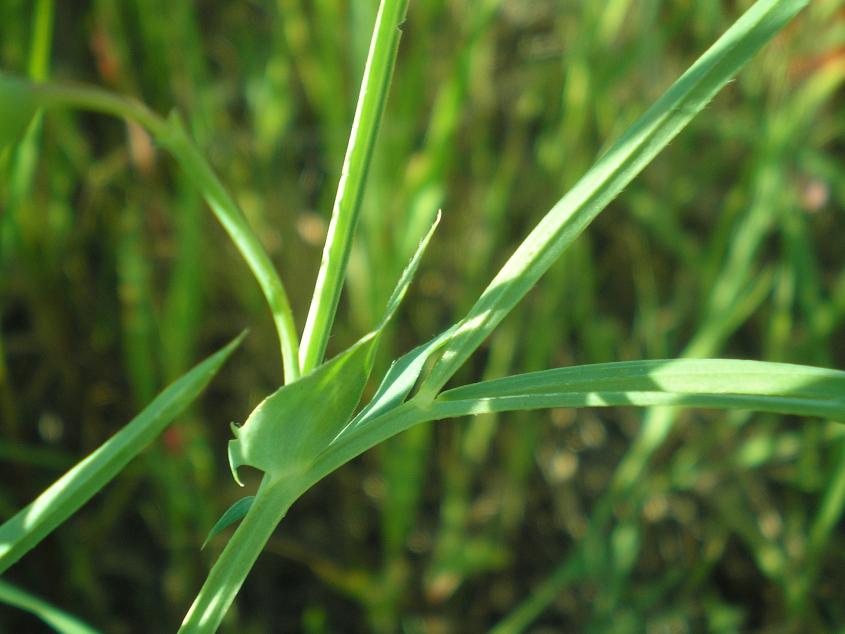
{"type": "Point", "coordinates": [114, 280]}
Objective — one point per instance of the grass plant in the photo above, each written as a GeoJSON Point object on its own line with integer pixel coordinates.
{"type": "Point", "coordinates": [491, 363]}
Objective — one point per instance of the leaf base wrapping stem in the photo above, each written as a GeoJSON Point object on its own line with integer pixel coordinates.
{"type": "Point", "coordinates": [272, 501]}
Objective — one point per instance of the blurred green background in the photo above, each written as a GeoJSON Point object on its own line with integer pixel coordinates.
{"type": "Point", "coordinates": [114, 279]}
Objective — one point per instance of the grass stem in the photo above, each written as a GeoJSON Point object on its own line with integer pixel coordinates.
{"type": "Point", "coordinates": [350, 191]}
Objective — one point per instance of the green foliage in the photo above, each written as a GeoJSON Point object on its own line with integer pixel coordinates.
{"type": "Point", "coordinates": [233, 514]}
{"type": "Point", "coordinates": [613, 171]}
{"type": "Point", "coordinates": [172, 136]}
{"type": "Point", "coordinates": [275, 438]}
{"type": "Point", "coordinates": [308, 427]}
{"type": "Point", "coordinates": [60, 621]}
{"type": "Point", "coordinates": [775, 387]}
{"type": "Point", "coordinates": [350, 192]}
{"type": "Point", "coordinates": [33, 523]}
{"type": "Point", "coordinates": [175, 138]}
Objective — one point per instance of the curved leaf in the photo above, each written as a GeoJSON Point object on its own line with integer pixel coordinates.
{"type": "Point", "coordinates": [781, 388]}
{"type": "Point", "coordinates": [289, 428]}
{"type": "Point", "coordinates": [19, 99]}
{"type": "Point", "coordinates": [234, 513]}
{"type": "Point", "coordinates": [689, 376]}
{"type": "Point", "coordinates": [59, 620]}
{"type": "Point", "coordinates": [721, 383]}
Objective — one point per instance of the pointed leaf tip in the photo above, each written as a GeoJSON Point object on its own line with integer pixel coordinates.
{"type": "Point", "coordinates": [408, 275]}
{"type": "Point", "coordinates": [236, 459]}
{"type": "Point", "coordinates": [233, 514]}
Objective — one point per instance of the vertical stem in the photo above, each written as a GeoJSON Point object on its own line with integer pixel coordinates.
{"type": "Point", "coordinates": [272, 502]}
{"type": "Point", "coordinates": [42, 36]}
{"type": "Point", "coordinates": [371, 101]}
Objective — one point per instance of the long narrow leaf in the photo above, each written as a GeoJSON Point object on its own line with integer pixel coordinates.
{"type": "Point", "coordinates": [371, 101]}
{"type": "Point", "coordinates": [59, 620]}
{"type": "Point", "coordinates": [606, 179]}
{"type": "Point", "coordinates": [711, 383]}
{"type": "Point", "coordinates": [20, 99]}
{"type": "Point", "coordinates": [199, 172]}
{"type": "Point", "coordinates": [707, 383]}
{"type": "Point", "coordinates": [682, 376]}
{"type": "Point", "coordinates": [65, 496]}
{"type": "Point", "coordinates": [824, 408]}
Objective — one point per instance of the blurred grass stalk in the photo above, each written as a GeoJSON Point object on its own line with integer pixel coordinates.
{"type": "Point", "coordinates": [21, 178]}
{"type": "Point", "coordinates": [59, 620]}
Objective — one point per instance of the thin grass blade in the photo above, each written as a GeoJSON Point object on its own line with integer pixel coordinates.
{"type": "Point", "coordinates": [65, 496]}
{"type": "Point", "coordinates": [706, 383]}
{"type": "Point", "coordinates": [234, 513]}
{"type": "Point", "coordinates": [59, 620]}
{"type": "Point", "coordinates": [371, 101]}
{"type": "Point", "coordinates": [682, 376]}
{"type": "Point", "coordinates": [606, 179]}
{"type": "Point", "coordinates": [20, 99]}
{"type": "Point", "coordinates": [773, 387]}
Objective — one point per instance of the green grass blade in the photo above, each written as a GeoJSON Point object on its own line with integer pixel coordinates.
{"type": "Point", "coordinates": [707, 383]}
{"type": "Point", "coordinates": [284, 436]}
{"type": "Point", "coordinates": [59, 620]}
{"type": "Point", "coordinates": [398, 294]}
{"type": "Point", "coordinates": [20, 99]}
{"type": "Point", "coordinates": [371, 101]}
{"type": "Point", "coordinates": [233, 514]}
{"type": "Point", "coordinates": [687, 376]}
{"type": "Point", "coordinates": [176, 139]}
{"type": "Point", "coordinates": [42, 35]}
{"type": "Point", "coordinates": [772, 387]}
{"type": "Point", "coordinates": [824, 408]}
{"type": "Point", "coordinates": [276, 439]}
{"type": "Point", "coordinates": [65, 496]}
{"type": "Point", "coordinates": [606, 179]}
